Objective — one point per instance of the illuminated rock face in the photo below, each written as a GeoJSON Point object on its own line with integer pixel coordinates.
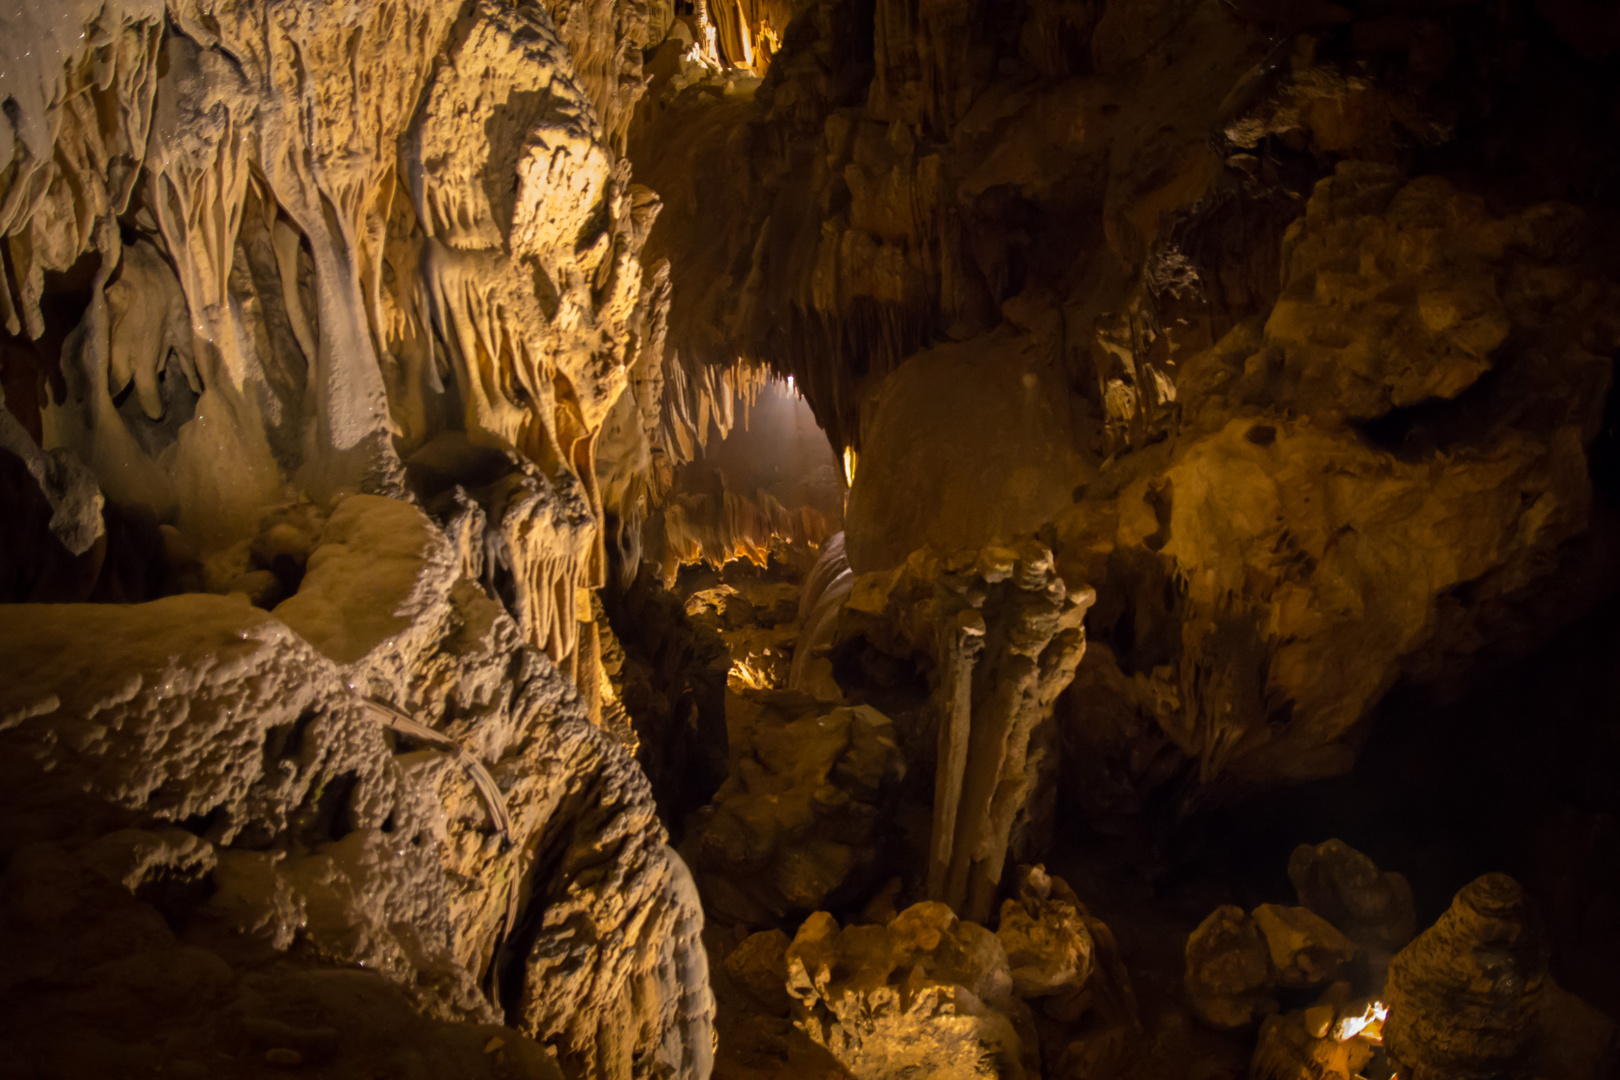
{"type": "Point", "coordinates": [1200, 370]}
{"type": "Point", "coordinates": [925, 991]}
{"type": "Point", "coordinates": [464, 869]}
{"type": "Point", "coordinates": [263, 256]}
{"type": "Point", "coordinates": [317, 238]}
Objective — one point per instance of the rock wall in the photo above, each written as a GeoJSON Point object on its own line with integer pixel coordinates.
{"type": "Point", "coordinates": [1284, 325]}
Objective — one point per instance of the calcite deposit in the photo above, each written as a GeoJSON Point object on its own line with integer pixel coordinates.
{"type": "Point", "coordinates": [1303, 412]}
{"type": "Point", "coordinates": [325, 835]}
{"type": "Point", "coordinates": [999, 632]}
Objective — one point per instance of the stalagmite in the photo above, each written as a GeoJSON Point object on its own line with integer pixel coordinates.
{"type": "Point", "coordinates": [996, 668]}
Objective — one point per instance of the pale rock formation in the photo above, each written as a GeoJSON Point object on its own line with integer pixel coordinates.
{"type": "Point", "coordinates": [241, 726]}
{"type": "Point", "coordinates": [376, 592]}
{"type": "Point", "coordinates": [804, 816]}
{"type": "Point", "coordinates": [1372, 908]}
{"type": "Point", "coordinates": [323, 841]}
{"type": "Point", "coordinates": [826, 588]}
{"type": "Point", "coordinates": [343, 232]}
{"type": "Point", "coordinates": [758, 622]}
{"type": "Point", "coordinates": [999, 633]}
{"type": "Point", "coordinates": [97, 982]}
{"type": "Point", "coordinates": [717, 530]}
{"type": "Point", "coordinates": [927, 992]}
{"type": "Point", "coordinates": [1471, 996]}
{"type": "Point", "coordinates": [67, 486]}
{"type": "Point", "coordinates": [1229, 977]}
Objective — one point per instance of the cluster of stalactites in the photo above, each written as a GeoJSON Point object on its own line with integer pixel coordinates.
{"type": "Point", "coordinates": [319, 246]}
{"type": "Point", "coordinates": [703, 399]}
{"type": "Point", "coordinates": [702, 528]}
{"type": "Point", "coordinates": [749, 32]}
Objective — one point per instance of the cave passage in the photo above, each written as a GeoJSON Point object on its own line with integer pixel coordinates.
{"type": "Point", "coordinates": [787, 539]}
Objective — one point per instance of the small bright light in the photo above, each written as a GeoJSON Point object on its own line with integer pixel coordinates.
{"type": "Point", "coordinates": [1368, 1021]}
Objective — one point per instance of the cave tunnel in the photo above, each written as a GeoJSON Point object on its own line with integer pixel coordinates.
{"type": "Point", "coordinates": [838, 539]}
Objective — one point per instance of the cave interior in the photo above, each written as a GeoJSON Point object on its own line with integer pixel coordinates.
{"type": "Point", "coordinates": [810, 539]}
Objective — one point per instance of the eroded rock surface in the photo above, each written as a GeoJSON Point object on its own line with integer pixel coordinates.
{"type": "Point", "coordinates": [1229, 975]}
{"type": "Point", "coordinates": [323, 841]}
{"type": "Point", "coordinates": [1339, 883]}
{"type": "Point", "coordinates": [1176, 278]}
{"type": "Point", "coordinates": [999, 634]}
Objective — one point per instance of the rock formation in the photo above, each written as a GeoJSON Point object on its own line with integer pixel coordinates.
{"type": "Point", "coordinates": [1373, 908]}
{"type": "Point", "coordinates": [458, 453]}
{"type": "Point", "coordinates": [925, 991]}
{"type": "Point", "coordinates": [1229, 978]}
{"type": "Point", "coordinates": [803, 818]}
{"type": "Point", "coordinates": [999, 632]}
{"type": "Point", "coordinates": [333, 824]}
{"type": "Point", "coordinates": [1472, 996]}
{"type": "Point", "coordinates": [1304, 413]}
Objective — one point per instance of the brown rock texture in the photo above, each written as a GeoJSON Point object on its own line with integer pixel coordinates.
{"type": "Point", "coordinates": [1229, 976]}
{"type": "Point", "coordinates": [323, 841]}
{"type": "Point", "coordinates": [1186, 284]}
{"type": "Point", "coordinates": [1043, 929]}
{"type": "Point", "coordinates": [1373, 908]}
{"type": "Point", "coordinates": [1305, 948]}
{"type": "Point", "coordinates": [999, 633]}
{"type": "Point", "coordinates": [1471, 996]}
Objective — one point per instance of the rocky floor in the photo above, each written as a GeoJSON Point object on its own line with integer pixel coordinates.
{"type": "Point", "coordinates": [1152, 886]}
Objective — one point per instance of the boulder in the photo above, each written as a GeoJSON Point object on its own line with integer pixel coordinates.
{"type": "Point", "coordinates": [1043, 930]}
{"type": "Point", "coordinates": [927, 994]}
{"type": "Point", "coordinates": [759, 966]}
{"type": "Point", "coordinates": [1470, 997]}
{"type": "Point", "coordinates": [1339, 883]}
{"type": "Point", "coordinates": [800, 821]}
{"type": "Point", "coordinates": [1229, 978]}
{"type": "Point", "coordinates": [1305, 948]}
